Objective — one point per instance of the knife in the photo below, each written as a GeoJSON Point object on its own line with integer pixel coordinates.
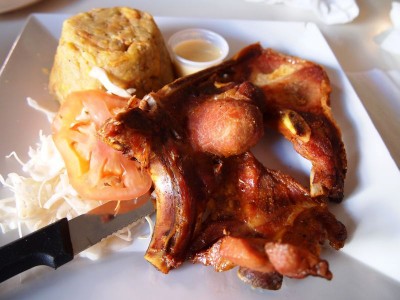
{"type": "Point", "coordinates": [58, 243]}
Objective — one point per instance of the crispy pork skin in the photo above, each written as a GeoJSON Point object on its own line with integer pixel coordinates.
{"type": "Point", "coordinates": [155, 132]}
{"type": "Point", "coordinates": [216, 203]}
{"type": "Point", "coordinates": [297, 104]}
{"type": "Point", "coordinates": [264, 221]}
{"type": "Point", "coordinates": [294, 98]}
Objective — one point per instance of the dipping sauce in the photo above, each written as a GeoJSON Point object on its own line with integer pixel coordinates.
{"type": "Point", "coordinates": [195, 49]}
{"type": "Point", "coordinates": [198, 50]}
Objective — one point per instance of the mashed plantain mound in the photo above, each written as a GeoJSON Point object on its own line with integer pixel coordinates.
{"type": "Point", "coordinates": [125, 42]}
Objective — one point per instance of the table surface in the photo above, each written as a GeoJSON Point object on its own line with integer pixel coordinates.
{"type": "Point", "coordinates": [354, 43]}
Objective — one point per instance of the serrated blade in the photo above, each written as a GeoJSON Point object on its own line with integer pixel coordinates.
{"type": "Point", "coordinates": [58, 243]}
{"type": "Point", "coordinates": [88, 229]}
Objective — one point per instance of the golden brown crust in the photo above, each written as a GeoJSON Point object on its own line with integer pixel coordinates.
{"type": "Point", "coordinates": [297, 99]}
{"type": "Point", "coordinates": [123, 41]}
{"type": "Point", "coordinates": [228, 126]}
{"type": "Point", "coordinates": [233, 211]}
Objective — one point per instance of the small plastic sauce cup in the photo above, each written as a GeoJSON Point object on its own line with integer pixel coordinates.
{"type": "Point", "coordinates": [196, 49]}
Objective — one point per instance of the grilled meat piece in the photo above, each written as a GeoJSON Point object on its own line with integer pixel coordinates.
{"type": "Point", "coordinates": [219, 206]}
{"type": "Point", "coordinates": [296, 102]}
{"type": "Point", "coordinates": [294, 97]}
{"type": "Point", "coordinates": [297, 97]}
{"type": "Point", "coordinates": [264, 221]}
{"type": "Point", "coordinates": [156, 133]}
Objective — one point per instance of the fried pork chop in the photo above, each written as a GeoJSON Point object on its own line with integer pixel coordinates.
{"type": "Point", "coordinates": [296, 102]}
{"type": "Point", "coordinates": [216, 204]}
{"type": "Point", "coordinates": [266, 223]}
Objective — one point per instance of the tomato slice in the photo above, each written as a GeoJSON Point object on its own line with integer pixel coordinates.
{"type": "Point", "coordinates": [95, 170]}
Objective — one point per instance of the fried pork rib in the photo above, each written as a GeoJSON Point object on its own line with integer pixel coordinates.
{"type": "Point", "coordinates": [216, 204]}
{"type": "Point", "coordinates": [296, 102]}
{"type": "Point", "coordinates": [266, 223]}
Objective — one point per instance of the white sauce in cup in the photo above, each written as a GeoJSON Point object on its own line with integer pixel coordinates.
{"type": "Point", "coordinates": [196, 49]}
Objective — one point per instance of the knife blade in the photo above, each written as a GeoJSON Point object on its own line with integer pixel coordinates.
{"type": "Point", "coordinates": [58, 243]}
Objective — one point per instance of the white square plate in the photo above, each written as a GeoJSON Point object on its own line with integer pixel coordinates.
{"type": "Point", "coordinates": [367, 267]}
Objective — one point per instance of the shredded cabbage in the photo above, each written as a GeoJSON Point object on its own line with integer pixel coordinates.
{"type": "Point", "coordinates": [101, 75]}
{"type": "Point", "coordinates": [44, 195]}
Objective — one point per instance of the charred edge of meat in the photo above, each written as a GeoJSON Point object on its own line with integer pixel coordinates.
{"type": "Point", "coordinates": [179, 192]}
{"type": "Point", "coordinates": [318, 140]}
{"type": "Point", "coordinates": [270, 281]}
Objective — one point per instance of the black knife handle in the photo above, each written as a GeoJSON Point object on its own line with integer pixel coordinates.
{"type": "Point", "coordinates": [50, 246]}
